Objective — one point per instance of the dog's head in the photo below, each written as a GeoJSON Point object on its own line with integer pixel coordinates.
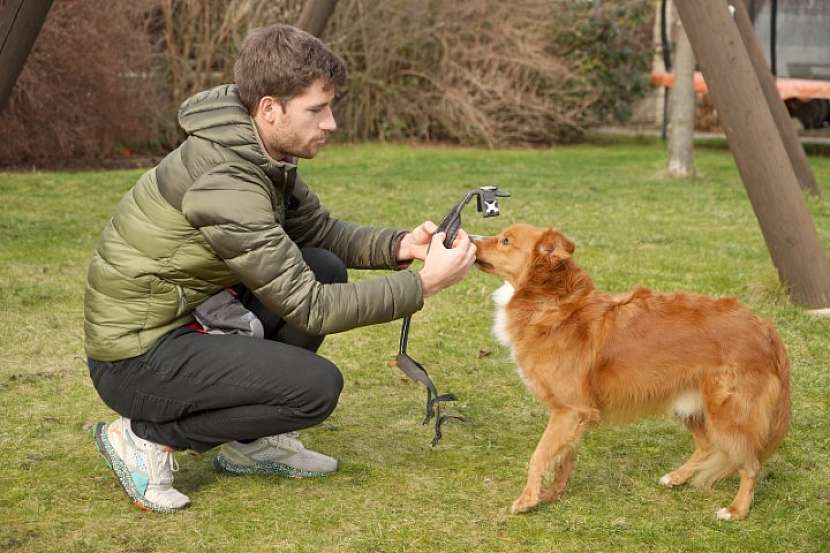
{"type": "Point", "coordinates": [521, 250]}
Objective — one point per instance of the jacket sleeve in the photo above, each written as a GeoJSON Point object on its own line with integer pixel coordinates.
{"type": "Point", "coordinates": [234, 210]}
{"type": "Point", "coordinates": [359, 246]}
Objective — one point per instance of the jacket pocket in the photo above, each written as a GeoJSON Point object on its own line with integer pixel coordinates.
{"type": "Point", "coordinates": [153, 408]}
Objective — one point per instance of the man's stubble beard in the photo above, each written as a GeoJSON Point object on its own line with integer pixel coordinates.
{"type": "Point", "coordinates": [290, 143]}
{"type": "Point", "coordinates": [292, 146]}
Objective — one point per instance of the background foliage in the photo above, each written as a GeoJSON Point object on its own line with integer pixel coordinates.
{"type": "Point", "coordinates": [490, 73]}
{"type": "Point", "coordinates": [87, 88]}
{"type": "Point", "coordinates": [107, 82]}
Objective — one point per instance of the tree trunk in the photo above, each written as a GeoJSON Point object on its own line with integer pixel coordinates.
{"type": "Point", "coordinates": [20, 23]}
{"type": "Point", "coordinates": [754, 6]}
{"type": "Point", "coordinates": [755, 141]}
{"type": "Point", "coordinates": [779, 111]}
{"type": "Point", "coordinates": [315, 15]}
{"type": "Point", "coordinates": [682, 110]}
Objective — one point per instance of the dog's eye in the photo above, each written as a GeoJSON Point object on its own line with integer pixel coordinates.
{"type": "Point", "coordinates": [505, 241]}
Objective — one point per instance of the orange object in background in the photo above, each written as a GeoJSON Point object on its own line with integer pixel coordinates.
{"type": "Point", "coordinates": [800, 89]}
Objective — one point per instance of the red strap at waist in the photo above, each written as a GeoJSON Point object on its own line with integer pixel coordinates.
{"type": "Point", "coordinates": [197, 327]}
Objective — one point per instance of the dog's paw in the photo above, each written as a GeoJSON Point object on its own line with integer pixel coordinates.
{"type": "Point", "coordinates": [724, 514]}
{"type": "Point", "coordinates": [732, 513]}
{"type": "Point", "coordinates": [667, 481]}
{"type": "Point", "coordinates": [674, 479]}
{"type": "Point", "coordinates": [523, 504]}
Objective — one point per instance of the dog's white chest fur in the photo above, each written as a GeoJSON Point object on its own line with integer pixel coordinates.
{"type": "Point", "coordinates": [501, 298]}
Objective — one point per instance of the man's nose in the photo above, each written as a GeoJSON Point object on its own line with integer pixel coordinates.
{"type": "Point", "coordinates": [328, 123]}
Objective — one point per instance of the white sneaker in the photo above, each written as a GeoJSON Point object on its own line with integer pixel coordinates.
{"type": "Point", "coordinates": [143, 468]}
{"type": "Point", "coordinates": [283, 455]}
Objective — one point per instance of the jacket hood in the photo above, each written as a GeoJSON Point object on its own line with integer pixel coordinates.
{"type": "Point", "coordinates": [218, 115]}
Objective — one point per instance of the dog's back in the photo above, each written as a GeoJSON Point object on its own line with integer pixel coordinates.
{"type": "Point", "coordinates": [656, 345]}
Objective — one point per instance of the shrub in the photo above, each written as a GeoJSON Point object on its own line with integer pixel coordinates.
{"type": "Point", "coordinates": [85, 89]}
{"type": "Point", "coordinates": [489, 73]}
{"type": "Point", "coordinates": [610, 44]}
{"type": "Point", "coordinates": [476, 72]}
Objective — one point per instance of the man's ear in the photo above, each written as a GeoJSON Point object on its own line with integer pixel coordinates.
{"type": "Point", "coordinates": [270, 109]}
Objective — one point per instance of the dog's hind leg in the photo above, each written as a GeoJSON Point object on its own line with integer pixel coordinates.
{"type": "Point", "coordinates": [740, 450]}
{"type": "Point", "coordinates": [736, 424]}
{"type": "Point", "coordinates": [740, 505]}
{"type": "Point", "coordinates": [565, 428]}
{"type": "Point", "coordinates": [703, 449]}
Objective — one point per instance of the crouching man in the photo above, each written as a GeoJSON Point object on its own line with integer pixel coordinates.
{"type": "Point", "coordinates": [218, 276]}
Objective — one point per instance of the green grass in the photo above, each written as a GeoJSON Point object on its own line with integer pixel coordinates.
{"type": "Point", "coordinates": [393, 491]}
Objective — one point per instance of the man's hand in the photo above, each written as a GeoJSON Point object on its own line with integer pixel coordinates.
{"type": "Point", "coordinates": [414, 244]}
{"type": "Point", "coordinates": [444, 267]}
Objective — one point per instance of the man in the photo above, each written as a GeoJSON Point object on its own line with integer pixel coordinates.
{"type": "Point", "coordinates": [214, 282]}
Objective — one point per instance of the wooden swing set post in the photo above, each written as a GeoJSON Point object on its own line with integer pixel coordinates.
{"type": "Point", "coordinates": [20, 23]}
{"type": "Point", "coordinates": [758, 146]}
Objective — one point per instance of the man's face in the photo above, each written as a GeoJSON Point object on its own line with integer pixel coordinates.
{"type": "Point", "coordinates": [300, 126]}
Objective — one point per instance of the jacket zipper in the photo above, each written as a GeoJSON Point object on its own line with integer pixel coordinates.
{"type": "Point", "coordinates": [182, 300]}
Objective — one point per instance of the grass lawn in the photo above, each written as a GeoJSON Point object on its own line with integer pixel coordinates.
{"type": "Point", "coordinates": [393, 491]}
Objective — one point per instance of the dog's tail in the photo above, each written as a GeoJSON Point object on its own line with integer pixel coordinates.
{"type": "Point", "coordinates": [774, 407]}
{"type": "Point", "coordinates": [780, 401]}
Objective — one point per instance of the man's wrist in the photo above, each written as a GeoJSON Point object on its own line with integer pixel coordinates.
{"type": "Point", "coordinates": [404, 253]}
{"type": "Point", "coordinates": [401, 251]}
{"type": "Point", "coordinates": [428, 287]}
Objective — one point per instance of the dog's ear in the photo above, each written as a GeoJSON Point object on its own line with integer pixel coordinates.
{"type": "Point", "coordinates": [567, 244]}
{"type": "Point", "coordinates": [555, 247]}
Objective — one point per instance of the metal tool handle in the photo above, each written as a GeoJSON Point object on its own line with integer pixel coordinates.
{"type": "Point", "coordinates": [450, 225]}
{"type": "Point", "coordinates": [487, 204]}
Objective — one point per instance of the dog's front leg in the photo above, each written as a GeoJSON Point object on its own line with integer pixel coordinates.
{"type": "Point", "coordinates": [563, 473]}
{"type": "Point", "coordinates": [560, 438]}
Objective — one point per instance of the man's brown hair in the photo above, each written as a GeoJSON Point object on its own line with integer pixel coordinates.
{"type": "Point", "coordinates": [282, 61]}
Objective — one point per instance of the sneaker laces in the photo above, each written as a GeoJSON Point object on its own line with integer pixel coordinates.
{"type": "Point", "coordinates": [165, 464]}
{"type": "Point", "coordinates": [288, 440]}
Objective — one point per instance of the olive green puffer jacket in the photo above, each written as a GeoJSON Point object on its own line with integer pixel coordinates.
{"type": "Point", "coordinates": [218, 211]}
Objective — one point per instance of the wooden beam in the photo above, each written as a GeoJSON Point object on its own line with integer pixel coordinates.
{"type": "Point", "coordinates": [20, 23]}
{"type": "Point", "coordinates": [779, 111]}
{"type": "Point", "coordinates": [759, 151]}
{"type": "Point", "coordinates": [681, 139]}
{"type": "Point", "coordinates": [315, 15]}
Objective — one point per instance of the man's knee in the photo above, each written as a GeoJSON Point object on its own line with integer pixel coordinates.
{"type": "Point", "coordinates": [324, 392]}
{"type": "Point", "coordinates": [327, 267]}
{"type": "Point", "coordinates": [331, 389]}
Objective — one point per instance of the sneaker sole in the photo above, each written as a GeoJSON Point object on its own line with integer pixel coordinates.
{"type": "Point", "coordinates": [221, 464]}
{"type": "Point", "coordinates": [122, 473]}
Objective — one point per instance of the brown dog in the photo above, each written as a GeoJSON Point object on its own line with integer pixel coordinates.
{"type": "Point", "coordinates": [590, 357]}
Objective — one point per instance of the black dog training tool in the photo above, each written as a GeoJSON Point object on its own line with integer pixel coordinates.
{"type": "Point", "coordinates": [487, 202]}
